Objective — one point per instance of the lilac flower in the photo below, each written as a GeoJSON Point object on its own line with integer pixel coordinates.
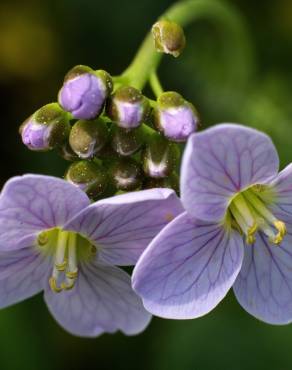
{"type": "Point", "coordinates": [84, 92]}
{"type": "Point", "coordinates": [52, 239]}
{"type": "Point", "coordinates": [175, 117]}
{"type": "Point", "coordinates": [236, 231]}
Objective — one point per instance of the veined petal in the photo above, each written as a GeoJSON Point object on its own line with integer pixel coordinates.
{"type": "Point", "coordinates": [123, 226]}
{"type": "Point", "coordinates": [32, 203]}
{"type": "Point", "coordinates": [188, 268]}
{"type": "Point", "coordinates": [264, 284]}
{"type": "Point", "coordinates": [101, 301]}
{"type": "Point", "coordinates": [221, 161]}
{"type": "Point", "coordinates": [282, 187]}
{"type": "Point", "coordinates": [22, 275]}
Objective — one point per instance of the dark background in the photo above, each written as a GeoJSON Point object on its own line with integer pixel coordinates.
{"type": "Point", "coordinates": [40, 40]}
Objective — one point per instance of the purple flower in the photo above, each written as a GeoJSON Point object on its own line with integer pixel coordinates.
{"type": "Point", "coordinates": [53, 239]}
{"type": "Point", "coordinates": [84, 93]}
{"type": "Point", "coordinates": [236, 231]}
{"type": "Point", "coordinates": [36, 136]}
{"type": "Point", "coordinates": [176, 118]}
{"type": "Point", "coordinates": [128, 108]}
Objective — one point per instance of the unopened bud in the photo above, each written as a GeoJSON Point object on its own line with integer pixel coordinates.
{"type": "Point", "coordinates": [67, 153]}
{"type": "Point", "coordinates": [84, 92]}
{"type": "Point", "coordinates": [89, 177]}
{"type": "Point", "coordinates": [168, 37]}
{"type": "Point", "coordinates": [126, 142]}
{"type": "Point", "coordinates": [88, 137]}
{"type": "Point", "coordinates": [175, 117]}
{"type": "Point", "coordinates": [128, 108]}
{"type": "Point", "coordinates": [126, 174]}
{"type": "Point", "coordinates": [159, 157]}
{"type": "Point", "coordinates": [46, 129]}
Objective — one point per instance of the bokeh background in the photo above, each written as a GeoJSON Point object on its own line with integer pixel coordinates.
{"type": "Point", "coordinates": [39, 41]}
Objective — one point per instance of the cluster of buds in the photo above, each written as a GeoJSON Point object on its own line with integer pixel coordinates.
{"type": "Point", "coordinates": [116, 138]}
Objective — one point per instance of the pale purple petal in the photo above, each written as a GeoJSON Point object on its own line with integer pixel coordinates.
{"type": "Point", "coordinates": [282, 188]}
{"type": "Point", "coordinates": [220, 162]}
{"type": "Point", "coordinates": [264, 284]}
{"type": "Point", "coordinates": [122, 226]}
{"type": "Point", "coordinates": [188, 268]}
{"type": "Point", "coordinates": [101, 301]}
{"type": "Point", "coordinates": [22, 275]}
{"type": "Point", "coordinates": [32, 203]}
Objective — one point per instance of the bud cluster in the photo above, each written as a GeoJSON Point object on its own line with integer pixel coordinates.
{"type": "Point", "coordinates": [116, 138]}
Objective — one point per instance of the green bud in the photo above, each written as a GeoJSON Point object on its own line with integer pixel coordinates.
{"type": "Point", "coordinates": [126, 174]}
{"type": "Point", "coordinates": [126, 142]}
{"type": "Point", "coordinates": [46, 129]}
{"type": "Point", "coordinates": [128, 107]}
{"type": "Point", "coordinates": [160, 157]}
{"type": "Point", "coordinates": [88, 137]}
{"type": "Point", "coordinates": [171, 182]}
{"type": "Point", "coordinates": [168, 37]}
{"type": "Point", "coordinates": [89, 177]}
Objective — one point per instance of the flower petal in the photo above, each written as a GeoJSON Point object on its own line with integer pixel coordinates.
{"type": "Point", "coordinates": [188, 268]}
{"type": "Point", "coordinates": [32, 203]}
{"type": "Point", "coordinates": [124, 225]}
{"type": "Point", "coordinates": [101, 301]}
{"type": "Point", "coordinates": [264, 284]}
{"type": "Point", "coordinates": [282, 186]}
{"type": "Point", "coordinates": [22, 275]}
{"type": "Point", "coordinates": [221, 161]}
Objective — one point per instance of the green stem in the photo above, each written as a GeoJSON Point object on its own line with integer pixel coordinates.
{"type": "Point", "coordinates": [155, 84]}
{"type": "Point", "coordinates": [184, 13]}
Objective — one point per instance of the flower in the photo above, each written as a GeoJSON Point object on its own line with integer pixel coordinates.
{"type": "Point", "coordinates": [236, 231]}
{"type": "Point", "coordinates": [46, 129]}
{"type": "Point", "coordinates": [175, 117]}
{"type": "Point", "coordinates": [128, 108]}
{"type": "Point", "coordinates": [53, 239]}
{"type": "Point", "coordinates": [84, 92]}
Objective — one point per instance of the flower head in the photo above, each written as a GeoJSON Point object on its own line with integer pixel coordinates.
{"type": "Point", "coordinates": [236, 231]}
{"type": "Point", "coordinates": [53, 239]}
{"type": "Point", "coordinates": [128, 108]}
{"type": "Point", "coordinates": [46, 128]}
{"type": "Point", "coordinates": [84, 92]}
{"type": "Point", "coordinates": [174, 117]}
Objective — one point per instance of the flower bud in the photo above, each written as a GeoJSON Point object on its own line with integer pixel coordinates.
{"type": "Point", "coordinates": [88, 137]}
{"type": "Point", "coordinates": [159, 157]}
{"type": "Point", "coordinates": [168, 37]}
{"type": "Point", "coordinates": [46, 129]}
{"type": "Point", "coordinates": [175, 117]}
{"type": "Point", "coordinates": [126, 142]}
{"type": "Point", "coordinates": [84, 92]}
{"type": "Point", "coordinates": [87, 176]}
{"type": "Point", "coordinates": [128, 108]}
{"type": "Point", "coordinates": [171, 182]}
{"type": "Point", "coordinates": [126, 174]}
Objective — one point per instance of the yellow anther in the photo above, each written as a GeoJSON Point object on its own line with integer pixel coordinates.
{"type": "Point", "coordinates": [282, 231]}
{"type": "Point", "coordinates": [61, 266]}
{"type": "Point", "coordinates": [70, 286]}
{"type": "Point", "coordinates": [43, 238]}
{"type": "Point", "coordinates": [72, 274]}
{"type": "Point", "coordinates": [53, 285]}
{"type": "Point", "coordinates": [250, 239]}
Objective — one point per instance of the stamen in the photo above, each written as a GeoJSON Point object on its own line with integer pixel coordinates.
{"type": "Point", "coordinates": [282, 231]}
{"type": "Point", "coordinates": [53, 285]}
{"type": "Point", "coordinates": [61, 266]}
{"type": "Point", "coordinates": [259, 206]}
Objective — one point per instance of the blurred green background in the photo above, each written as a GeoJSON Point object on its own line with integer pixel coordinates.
{"type": "Point", "coordinates": [39, 41]}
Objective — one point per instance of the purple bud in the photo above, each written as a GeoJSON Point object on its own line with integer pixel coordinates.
{"type": "Point", "coordinates": [84, 92]}
{"type": "Point", "coordinates": [175, 117]}
{"type": "Point", "coordinates": [128, 108]}
{"type": "Point", "coordinates": [45, 129]}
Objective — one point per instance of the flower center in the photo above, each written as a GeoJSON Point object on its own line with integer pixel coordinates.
{"type": "Point", "coordinates": [67, 249]}
{"type": "Point", "coordinates": [249, 214]}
